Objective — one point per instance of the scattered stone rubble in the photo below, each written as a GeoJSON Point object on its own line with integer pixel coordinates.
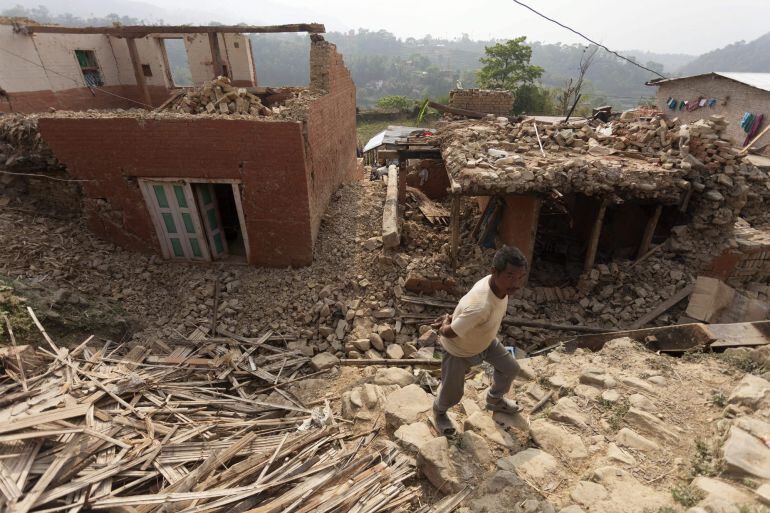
{"type": "Point", "coordinates": [621, 434]}
{"type": "Point", "coordinates": [652, 159]}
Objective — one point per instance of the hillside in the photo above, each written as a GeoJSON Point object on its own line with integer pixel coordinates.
{"type": "Point", "coordinates": [741, 56]}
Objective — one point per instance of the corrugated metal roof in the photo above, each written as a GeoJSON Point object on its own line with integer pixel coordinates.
{"type": "Point", "coordinates": [390, 135]}
{"type": "Point", "coordinates": [756, 80]}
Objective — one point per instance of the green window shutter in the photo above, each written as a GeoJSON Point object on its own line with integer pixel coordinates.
{"type": "Point", "coordinates": [218, 243]}
{"type": "Point", "coordinates": [188, 222]}
{"type": "Point", "coordinates": [196, 248]}
{"type": "Point", "coordinates": [180, 196]}
{"type": "Point", "coordinates": [212, 217]}
{"type": "Point", "coordinates": [160, 195]}
{"type": "Point", "coordinates": [170, 224]}
{"type": "Point", "coordinates": [177, 247]}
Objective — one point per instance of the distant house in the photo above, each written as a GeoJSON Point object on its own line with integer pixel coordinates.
{"type": "Point", "coordinates": [743, 98]}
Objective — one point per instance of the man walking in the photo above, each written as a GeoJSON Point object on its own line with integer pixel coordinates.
{"type": "Point", "coordinates": [469, 337]}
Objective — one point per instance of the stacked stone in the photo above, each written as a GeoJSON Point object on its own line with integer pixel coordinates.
{"type": "Point", "coordinates": [220, 97]}
{"type": "Point", "coordinates": [651, 160]}
{"type": "Point", "coordinates": [488, 101]}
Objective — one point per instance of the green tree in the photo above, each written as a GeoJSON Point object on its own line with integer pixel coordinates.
{"type": "Point", "coordinates": [506, 65]}
{"type": "Point", "coordinates": [534, 99]}
{"type": "Point", "coordinates": [396, 102]}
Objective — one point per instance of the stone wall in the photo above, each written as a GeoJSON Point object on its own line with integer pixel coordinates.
{"type": "Point", "coordinates": [496, 102]}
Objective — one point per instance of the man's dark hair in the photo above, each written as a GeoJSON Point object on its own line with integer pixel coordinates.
{"type": "Point", "coordinates": [509, 255]}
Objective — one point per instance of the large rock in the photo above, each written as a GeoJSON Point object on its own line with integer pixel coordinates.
{"type": "Point", "coordinates": [615, 453]}
{"type": "Point", "coordinates": [626, 494]}
{"type": "Point", "coordinates": [746, 455]}
{"type": "Point", "coordinates": [364, 402]}
{"type": "Point", "coordinates": [751, 391]}
{"type": "Point", "coordinates": [394, 376]}
{"type": "Point", "coordinates": [637, 384]}
{"type": "Point", "coordinates": [557, 440]}
{"type": "Point", "coordinates": [323, 361]}
{"type": "Point", "coordinates": [476, 446]}
{"type": "Point", "coordinates": [435, 463]}
{"type": "Point", "coordinates": [483, 424]}
{"type": "Point", "coordinates": [641, 402]}
{"type": "Point", "coordinates": [597, 377]}
{"type": "Point", "coordinates": [394, 352]}
{"type": "Point", "coordinates": [404, 406]}
{"type": "Point", "coordinates": [716, 488]}
{"type": "Point", "coordinates": [630, 438]}
{"type": "Point", "coordinates": [588, 493]}
{"type": "Point", "coordinates": [567, 411]}
{"type": "Point", "coordinates": [533, 464]}
{"type": "Point", "coordinates": [650, 424]}
{"type": "Point", "coordinates": [413, 436]}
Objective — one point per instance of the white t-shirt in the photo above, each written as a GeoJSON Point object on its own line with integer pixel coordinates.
{"type": "Point", "coordinates": [476, 320]}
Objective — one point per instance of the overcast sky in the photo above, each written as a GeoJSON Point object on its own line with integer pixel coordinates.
{"type": "Point", "coordinates": [668, 26]}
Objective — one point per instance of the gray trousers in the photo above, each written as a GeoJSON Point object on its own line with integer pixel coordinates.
{"type": "Point", "coordinates": [453, 369]}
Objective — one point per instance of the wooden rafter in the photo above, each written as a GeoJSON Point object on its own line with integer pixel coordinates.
{"type": "Point", "coordinates": [145, 30]}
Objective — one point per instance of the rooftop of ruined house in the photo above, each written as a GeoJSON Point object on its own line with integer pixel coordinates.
{"type": "Point", "coordinates": [490, 156]}
{"type": "Point", "coordinates": [292, 111]}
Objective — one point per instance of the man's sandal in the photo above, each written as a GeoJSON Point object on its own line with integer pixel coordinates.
{"type": "Point", "coordinates": [503, 405]}
{"type": "Point", "coordinates": [443, 423]}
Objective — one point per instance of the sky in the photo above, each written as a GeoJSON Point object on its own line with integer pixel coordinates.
{"type": "Point", "coordinates": [664, 26]}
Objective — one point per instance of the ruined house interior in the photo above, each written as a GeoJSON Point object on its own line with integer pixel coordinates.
{"type": "Point", "coordinates": [144, 368]}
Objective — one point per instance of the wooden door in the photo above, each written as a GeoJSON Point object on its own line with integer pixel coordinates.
{"type": "Point", "coordinates": [175, 215]}
{"type": "Point", "coordinates": [212, 223]}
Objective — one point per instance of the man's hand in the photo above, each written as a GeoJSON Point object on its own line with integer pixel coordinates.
{"type": "Point", "coordinates": [440, 321]}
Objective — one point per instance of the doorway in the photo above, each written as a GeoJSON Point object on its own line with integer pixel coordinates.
{"type": "Point", "coordinates": [200, 220]}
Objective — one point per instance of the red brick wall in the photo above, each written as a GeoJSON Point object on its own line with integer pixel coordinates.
{"type": "Point", "coordinates": [81, 98]}
{"type": "Point", "coordinates": [331, 129]}
{"type": "Point", "coordinates": [268, 158]}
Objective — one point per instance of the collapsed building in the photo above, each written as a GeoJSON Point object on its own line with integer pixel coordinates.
{"type": "Point", "coordinates": [227, 170]}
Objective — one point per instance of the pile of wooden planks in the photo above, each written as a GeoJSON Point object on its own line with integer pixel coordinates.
{"type": "Point", "coordinates": [105, 426]}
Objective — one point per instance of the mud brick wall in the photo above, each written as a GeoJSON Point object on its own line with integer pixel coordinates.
{"type": "Point", "coordinates": [331, 128]}
{"type": "Point", "coordinates": [482, 100]}
{"type": "Point", "coordinates": [733, 99]}
{"type": "Point", "coordinates": [267, 157]}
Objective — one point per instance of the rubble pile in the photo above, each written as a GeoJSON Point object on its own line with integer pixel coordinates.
{"type": "Point", "coordinates": [622, 430]}
{"type": "Point", "coordinates": [110, 426]}
{"type": "Point", "coordinates": [220, 97]}
{"type": "Point", "coordinates": [646, 160]}
{"type": "Point", "coordinates": [21, 147]}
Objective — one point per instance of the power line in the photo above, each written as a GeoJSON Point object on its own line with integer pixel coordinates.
{"type": "Point", "coordinates": [588, 39]}
{"type": "Point", "coordinates": [72, 79]}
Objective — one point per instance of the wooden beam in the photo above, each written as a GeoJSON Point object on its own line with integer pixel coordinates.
{"type": "Point", "coordinates": [361, 362]}
{"type": "Point", "coordinates": [391, 235]}
{"type": "Point", "coordinates": [141, 83]}
{"type": "Point", "coordinates": [454, 246]}
{"type": "Point", "coordinates": [216, 55]}
{"type": "Point", "coordinates": [593, 242]}
{"type": "Point", "coordinates": [144, 30]}
{"type": "Point", "coordinates": [649, 231]}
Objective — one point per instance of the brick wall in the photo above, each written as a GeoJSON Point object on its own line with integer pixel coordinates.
{"type": "Point", "coordinates": [331, 128]}
{"type": "Point", "coordinates": [482, 100]}
{"type": "Point", "coordinates": [733, 99]}
{"type": "Point", "coordinates": [80, 98]}
{"type": "Point", "coordinates": [267, 157]}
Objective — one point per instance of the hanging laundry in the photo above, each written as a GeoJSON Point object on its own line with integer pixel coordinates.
{"type": "Point", "coordinates": [712, 102]}
{"type": "Point", "coordinates": [672, 103]}
{"type": "Point", "coordinates": [747, 121]}
{"type": "Point", "coordinates": [702, 102]}
{"type": "Point", "coordinates": [754, 129]}
{"type": "Point", "coordinates": [682, 105]}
